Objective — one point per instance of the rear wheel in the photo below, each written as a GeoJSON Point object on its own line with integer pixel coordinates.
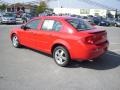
{"type": "Point", "coordinates": [99, 24]}
{"type": "Point", "coordinates": [15, 41]}
{"type": "Point", "coordinates": [116, 25]}
{"type": "Point", "coordinates": [61, 56]}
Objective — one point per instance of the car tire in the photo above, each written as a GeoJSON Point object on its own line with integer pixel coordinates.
{"type": "Point", "coordinates": [15, 41]}
{"type": "Point", "coordinates": [116, 25]}
{"type": "Point", "coordinates": [99, 24]}
{"type": "Point", "coordinates": [61, 56]}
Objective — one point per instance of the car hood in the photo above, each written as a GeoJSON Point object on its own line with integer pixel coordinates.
{"type": "Point", "coordinates": [9, 17]}
{"type": "Point", "coordinates": [118, 22]}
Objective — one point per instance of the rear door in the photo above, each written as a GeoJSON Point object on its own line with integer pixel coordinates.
{"type": "Point", "coordinates": [49, 33]}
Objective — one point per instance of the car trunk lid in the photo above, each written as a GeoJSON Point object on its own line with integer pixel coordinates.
{"type": "Point", "coordinates": [95, 36]}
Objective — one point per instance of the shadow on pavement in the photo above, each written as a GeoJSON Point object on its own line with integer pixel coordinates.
{"type": "Point", "coordinates": [108, 61]}
{"type": "Point", "coordinates": [24, 47]}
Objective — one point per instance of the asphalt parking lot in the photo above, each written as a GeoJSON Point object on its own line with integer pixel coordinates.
{"type": "Point", "coordinates": [26, 69]}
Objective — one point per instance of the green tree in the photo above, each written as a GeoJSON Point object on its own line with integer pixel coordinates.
{"type": "Point", "coordinates": [109, 15]}
{"type": "Point", "coordinates": [3, 7]}
{"type": "Point", "coordinates": [41, 8]}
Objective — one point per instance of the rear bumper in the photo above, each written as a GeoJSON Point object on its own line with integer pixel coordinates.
{"type": "Point", "coordinates": [90, 52]}
{"type": "Point", "coordinates": [104, 24]}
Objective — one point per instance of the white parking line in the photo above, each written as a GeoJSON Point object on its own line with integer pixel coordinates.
{"type": "Point", "coordinates": [115, 50]}
{"type": "Point", "coordinates": [115, 43]}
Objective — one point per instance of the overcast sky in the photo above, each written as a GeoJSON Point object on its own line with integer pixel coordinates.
{"type": "Point", "coordinates": [77, 3]}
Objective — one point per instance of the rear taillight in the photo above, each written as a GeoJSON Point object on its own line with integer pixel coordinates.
{"type": "Point", "coordinates": [90, 40]}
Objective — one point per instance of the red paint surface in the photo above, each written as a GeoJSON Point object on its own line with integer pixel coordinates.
{"type": "Point", "coordinates": [74, 41]}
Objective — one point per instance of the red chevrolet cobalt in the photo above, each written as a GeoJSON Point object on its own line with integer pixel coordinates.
{"type": "Point", "coordinates": [66, 38]}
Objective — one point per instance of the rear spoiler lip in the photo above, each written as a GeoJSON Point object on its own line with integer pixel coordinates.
{"type": "Point", "coordinates": [94, 32]}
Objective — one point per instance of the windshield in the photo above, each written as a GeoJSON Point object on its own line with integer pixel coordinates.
{"type": "Point", "coordinates": [8, 15]}
{"type": "Point", "coordinates": [79, 24]}
{"type": "Point", "coordinates": [118, 20]}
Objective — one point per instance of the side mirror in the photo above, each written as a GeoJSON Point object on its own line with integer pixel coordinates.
{"type": "Point", "coordinates": [24, 27]}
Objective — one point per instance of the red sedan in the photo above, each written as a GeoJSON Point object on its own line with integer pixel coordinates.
{"type": "Point", "coordinates": [65, 38]}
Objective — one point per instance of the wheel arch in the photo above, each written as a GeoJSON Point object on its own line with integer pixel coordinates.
{"type": "Point", "coordinates": [63, 44]}
{"type": "Point", "coordinates": [12, 35]}
{"type": "Point", "coordinates": [13, 32]}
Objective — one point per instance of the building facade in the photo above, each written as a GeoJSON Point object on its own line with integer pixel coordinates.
{"type": "Point", "coordinates": [83, 12]}
{"type": "Point", "coordinates": [20, 7]}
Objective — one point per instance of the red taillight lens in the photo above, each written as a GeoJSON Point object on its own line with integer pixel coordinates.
{"type": "Point", "coordinates": [90, 40]}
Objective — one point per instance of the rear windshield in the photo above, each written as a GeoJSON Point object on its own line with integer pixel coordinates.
{"type": "Point", "coordinates": [79, 24]}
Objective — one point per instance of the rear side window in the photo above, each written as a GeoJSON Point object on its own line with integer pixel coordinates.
{"type": "Point", "coordinates": [79, 24]}
{"type": "Point", "coordinates": [57, 26]}
{"type": "Point", "coordinates": [51, 25]}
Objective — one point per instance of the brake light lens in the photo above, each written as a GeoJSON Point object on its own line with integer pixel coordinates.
{"type": "Point", "coordinates": [90, 40]}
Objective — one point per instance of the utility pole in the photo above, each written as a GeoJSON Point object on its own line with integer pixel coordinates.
{"type": "Point", "coordinates": [14, 5]}
{"type": "Point", "coordinates": [116, 14]}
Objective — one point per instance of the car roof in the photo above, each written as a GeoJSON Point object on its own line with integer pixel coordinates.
{"type": "Point", "coordinates": [56, 17]}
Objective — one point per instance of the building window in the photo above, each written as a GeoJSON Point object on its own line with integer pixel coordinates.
{"type": "Point", "coordinates": [8, 9]}
{"type": "Point", "coordinates": [84, 11]}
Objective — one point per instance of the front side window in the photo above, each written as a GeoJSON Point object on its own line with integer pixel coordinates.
{"type": "Point", "coordinates": [49, 25]}
{"type": "Point", "coordinates": [79, 24]}
{"type": "Point", "coordinates": [33, 24]}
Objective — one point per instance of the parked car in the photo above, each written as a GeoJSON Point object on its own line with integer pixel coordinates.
{"type": "Point", "coordinates": [1, 14]}
{"type": "Point", "coordinates": [101, 21]}
{"type": "Point", "coordinates": [117, 23]}
{"type": "Point", "coordinates": [90, 21]}
{"type": "Point", "coordinates": [74, 15]}
{"type": "Point", "coordinates": [0, 17]}
{"type": "Point", "coordinates": [111, 21]}
{"type": "Point", "coordinates": [96, 20]}
{"type": "Point", "coordinates": [84, 17]}
{"type": "Point", "coordinates": [8, 18]}
{"type": "Point", "coordinates": [104, 22]}
{"type": "Point", "coordinates": [65, 38]}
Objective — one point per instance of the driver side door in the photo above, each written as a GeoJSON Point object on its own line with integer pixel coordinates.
{"type": "Point", "coordinates": [27, 35]}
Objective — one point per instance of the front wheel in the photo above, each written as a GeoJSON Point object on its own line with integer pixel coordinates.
{"type": "Point", "coordinates": [15, 41]}
{"type": "Point", "coordinates": [61, 56]}
{"type": "Point", "coordinates": [116, 25]}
